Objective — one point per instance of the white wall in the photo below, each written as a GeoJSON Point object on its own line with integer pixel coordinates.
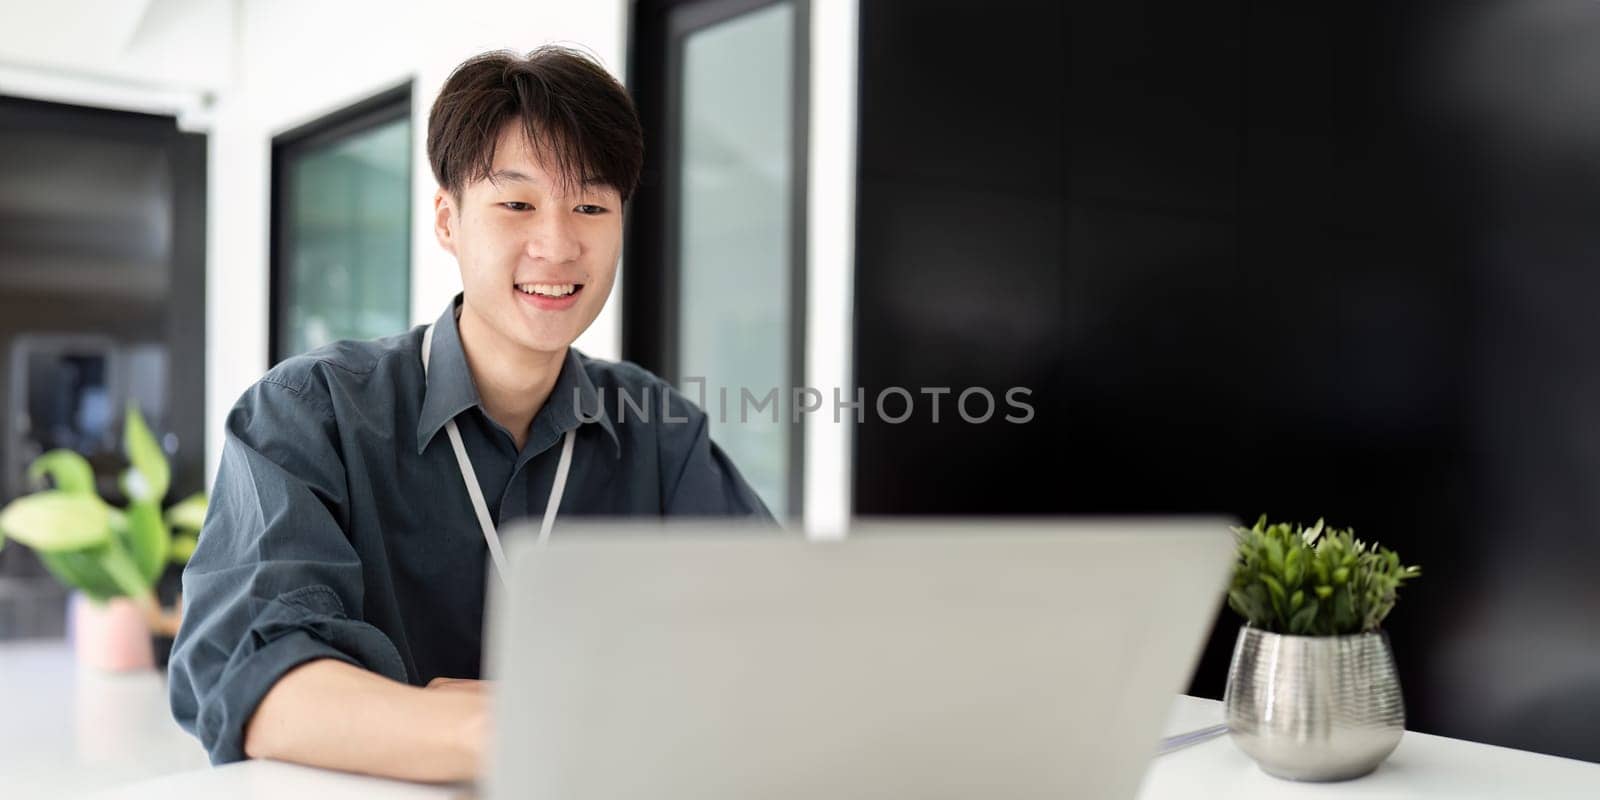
{"type": "Point", "coordinates": [295, 61]}
{"type": "Point", "coordinates": [830, 267]}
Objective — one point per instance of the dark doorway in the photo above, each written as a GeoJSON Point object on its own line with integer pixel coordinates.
{"type": "Point", "coordinates": [102, 303]}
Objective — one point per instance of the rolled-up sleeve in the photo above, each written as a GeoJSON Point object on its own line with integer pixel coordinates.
{"type": "Point", "coordinates": [700, 479]}
{"type": "Point", "coordinates": [274, 581]}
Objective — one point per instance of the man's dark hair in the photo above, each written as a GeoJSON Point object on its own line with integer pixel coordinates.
{"type": "Point", "coordinates": [576, 118]}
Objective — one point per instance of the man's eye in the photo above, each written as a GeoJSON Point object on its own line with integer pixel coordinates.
{"type": "Point", "coordinates": [517, 206]}
{"type": "Point", "coordinates": [591, 210]}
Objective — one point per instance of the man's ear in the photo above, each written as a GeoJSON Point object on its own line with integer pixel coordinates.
{"type": "Point", "coordinates": [445, 218]}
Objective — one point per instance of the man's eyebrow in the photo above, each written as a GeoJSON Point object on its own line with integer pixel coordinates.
{"type": "Point", "coordinates": [509, 175]}
{"type": "Point", "coordinates": [513, 175]}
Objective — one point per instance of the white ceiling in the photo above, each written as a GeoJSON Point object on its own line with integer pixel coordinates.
{"type": "Point", "coordinates": [66, 30]}
{"type": "Point", "coordinates": [152, 44]}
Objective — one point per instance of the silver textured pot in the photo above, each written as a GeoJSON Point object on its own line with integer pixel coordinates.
{"type": "Point", "coordinates": [1314, 708]}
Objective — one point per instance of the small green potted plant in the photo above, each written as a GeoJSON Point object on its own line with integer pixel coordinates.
{"type": "Point", "coordinates": [112, 557]}
{"type": "Point", "coordinates": [1312, 692]}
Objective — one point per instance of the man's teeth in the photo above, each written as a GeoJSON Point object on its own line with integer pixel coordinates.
{"type": "Point", "coordinates": [548, 289]}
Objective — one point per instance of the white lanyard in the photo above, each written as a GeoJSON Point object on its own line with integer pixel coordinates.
{"type": "Point", "coordinates": [468, 476]}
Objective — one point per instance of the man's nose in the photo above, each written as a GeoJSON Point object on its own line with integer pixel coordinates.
{"type": "Point", "coordinates": [553, 239]}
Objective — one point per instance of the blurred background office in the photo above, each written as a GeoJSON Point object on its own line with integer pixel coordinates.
{"type": "Point", "coordinates": [1334, 261]}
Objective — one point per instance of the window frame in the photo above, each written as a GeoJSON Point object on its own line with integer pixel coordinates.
{"type": "Point", "coordinates": [652, 276]}
{"type": "Point", "coordinates": [382, 108]}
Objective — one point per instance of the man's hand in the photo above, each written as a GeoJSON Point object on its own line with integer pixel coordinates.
{"type": "Point", "coordinates": [461, 684]}
{"type": "Point", "coordinates": [477, 726]}
{"type": "Point", "coordinates": [327, 713]}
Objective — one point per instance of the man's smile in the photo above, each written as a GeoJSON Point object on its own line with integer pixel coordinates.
{"type": "Point", "coordinates": [550, 296]}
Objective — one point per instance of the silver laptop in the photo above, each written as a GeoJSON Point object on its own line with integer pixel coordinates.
{"type": "Point", "coordinates": [913, 659]}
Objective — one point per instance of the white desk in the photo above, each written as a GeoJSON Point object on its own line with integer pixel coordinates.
{"type": "Point", "coordinates": [64, 733]}
{"type": "Point", "coordinates": [1423, 766]}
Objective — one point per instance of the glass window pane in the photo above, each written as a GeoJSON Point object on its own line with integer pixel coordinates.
{"type": "Point", "coordinates": [734, 201]}
{"type": "Point", "coordinates": [349, 244]}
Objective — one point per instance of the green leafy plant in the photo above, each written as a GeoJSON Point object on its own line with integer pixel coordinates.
{"type": "Point", "coordinates": [1317, 581]}
{"type": "Point", "coordinates": [103, 551]}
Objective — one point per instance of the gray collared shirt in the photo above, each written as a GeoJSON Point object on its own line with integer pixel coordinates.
{"type": "Point", "coordinates": [339, 526]}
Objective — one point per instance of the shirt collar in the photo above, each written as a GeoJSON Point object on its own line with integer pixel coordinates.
{"type": "Point", "coordinates": [450, 390]}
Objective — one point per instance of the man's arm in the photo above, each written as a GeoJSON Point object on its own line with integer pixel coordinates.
{"type": "Point", "coordinates": [274, 585]}
{"type": "Point", "coordinates": [698, 478]}
{"type": "Point", "coordinates": [327, 713]}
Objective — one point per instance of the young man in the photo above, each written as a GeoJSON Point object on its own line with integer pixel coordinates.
{"type": "Point", "coordinates": [334, 606]}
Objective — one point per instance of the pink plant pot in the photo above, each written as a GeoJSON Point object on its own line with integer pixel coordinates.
{"type": "Point", "coordinates": [110, 636]}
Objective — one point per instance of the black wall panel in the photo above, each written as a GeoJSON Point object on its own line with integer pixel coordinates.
{"type": "Point", "coordinates": [1336, 260]}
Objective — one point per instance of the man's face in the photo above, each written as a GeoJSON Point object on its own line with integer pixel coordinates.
{"type": "Point", "coordinates": [536, 265]}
